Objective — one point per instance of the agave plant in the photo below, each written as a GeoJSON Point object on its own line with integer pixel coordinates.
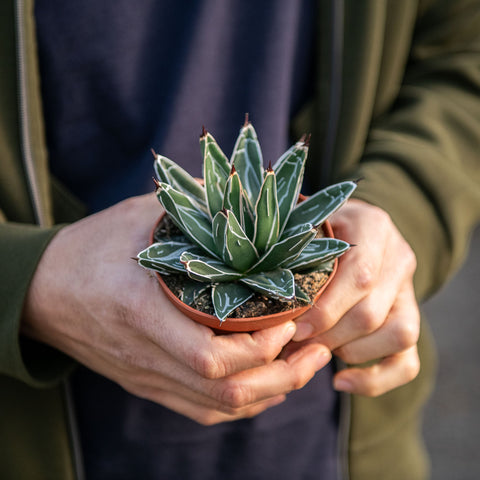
{"type": "Point", "coordinates": [243, 230]}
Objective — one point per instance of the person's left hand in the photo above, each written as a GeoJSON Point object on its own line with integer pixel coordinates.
{"type": "Point", "coordinates": [369, 311]}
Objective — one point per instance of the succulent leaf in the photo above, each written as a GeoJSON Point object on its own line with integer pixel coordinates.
{"type": "Point", "coordinates": [215, 181]}
{"type": "Point", "coordinates": [148, 264]}
{"type": "Point", "coordinates": [236, 249]}
{"type": "Point", "coordinates": [285, 251]}
{"type": "Point", "coordinates": [248, 161]}
{"type": "Point", "coordinates": [226, 297]}
{"type": "Point", "coordinates": [208, 144]}
{"type": "Point", "coordinates": [233, 198]}
{"type": "Point", "coordinates": [192, 289]}
{"type": "Point", "coordinates": [277, 283]}
{"type": "Point", "coordinates": [318, 252]}
{"type": "Point", "coordinates": [266, 214]}
{"type": "Point", "coordinates": [317, 208]}
{"type": "Point", "coordinates": [169, 172]}
{"type": "Point", "coordinates": [326, 267]}
{"type": "Point", "coordinates": [194, 223]}
{"type": "Point", "coordinates": [164, 257]}
{"type": "Point", "coordinates": [206, 269]}
{"type": "Point", "coordinates": [301, 295]}
{"type": "Point", "coordinates": [289, 171]}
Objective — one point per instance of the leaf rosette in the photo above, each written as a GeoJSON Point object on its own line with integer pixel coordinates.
{"type": "Point", "coordinates": [244, 231]}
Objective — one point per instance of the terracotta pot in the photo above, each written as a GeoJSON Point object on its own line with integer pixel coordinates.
{"type": "Point", "coordinates": [242, 324]}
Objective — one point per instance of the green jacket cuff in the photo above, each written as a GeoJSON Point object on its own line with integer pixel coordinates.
{"type": "Point", "coordinates": [36, 364]}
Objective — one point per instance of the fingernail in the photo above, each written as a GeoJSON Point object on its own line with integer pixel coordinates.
{"type": "Point", "coordinates": [323, 357]}
{"type": "Point", "coordinates": [304, 331]}
{"type": "Point", "coordinates": [288, 332]}
{"type": "Point", "coordinates": [342, 385]}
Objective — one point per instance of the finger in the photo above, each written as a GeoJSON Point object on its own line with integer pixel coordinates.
{"type": "Point", "coordinates": [392, 297]}
{"type": "Point", "coordinates": [353, 282]}
{"type": "Point", "coordinates": [209, 416]}
{"type": "Point", "coordinates": [399, 332]}
{"type": "Point", "coordinates": [153, 387]}
{"type": "Point", "coordinates": [236, 391]}
{"type": "Point", "coordinates": [391, 372]}
{"type": "Point", "coordinates": [239, 391]}
{"type": "Point", "coordinates": [358, 274]}
{"type": "Point", "coordinates": [279, 377]}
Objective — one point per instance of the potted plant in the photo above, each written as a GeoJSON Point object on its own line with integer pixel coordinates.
{"type": "Point", "coordinates": [241, 250]}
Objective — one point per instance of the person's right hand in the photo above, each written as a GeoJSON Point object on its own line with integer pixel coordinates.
{"type": "Point", "coordinates": [89, 299]}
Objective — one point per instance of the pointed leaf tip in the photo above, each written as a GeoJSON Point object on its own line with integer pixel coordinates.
{"type": "Point", "coordinates": [154, 153]}
{"type": "Point", "coordinates": [156, 182]}
{"type": "Point", "coordinates": [308, 137]}
{"type": "Point", "coordinates": [204, 132]}
{"type": "Point", "coordinates": [246, 123]}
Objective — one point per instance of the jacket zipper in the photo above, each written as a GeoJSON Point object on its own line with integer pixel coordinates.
{"type": "Point", "coordinates": [40, 213]}
{"type": "Point", "coordinates": [336, 64]}
{"type": "Point", "coordinates": [73, 431]}
{"type": "Point", "coordinates": [23, 108]}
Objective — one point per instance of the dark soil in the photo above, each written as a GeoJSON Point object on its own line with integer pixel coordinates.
{"type": "Point", "coordinates": [259, 304]}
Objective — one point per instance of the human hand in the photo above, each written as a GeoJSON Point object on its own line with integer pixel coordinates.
{"type": "Point", "coordinates": [89, 299]}
{"type": "Point", "coordinates": [369, 311]}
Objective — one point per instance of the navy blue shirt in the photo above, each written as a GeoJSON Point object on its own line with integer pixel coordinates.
{"type": "Point", "coordinates": [120, 77]}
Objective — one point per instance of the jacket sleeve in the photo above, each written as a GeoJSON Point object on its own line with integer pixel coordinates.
{"type": "Point", "coordinates": [21, 247]}
{"type": "Point", "coordinates": [422, 159]}
{"type": "Point", "coordinates": [22, 243]}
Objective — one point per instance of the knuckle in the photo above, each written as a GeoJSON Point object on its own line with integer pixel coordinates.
{"type": "Point", "coordinates": [233, 395]}
{"type": "Point", "coordinates": [412, 368]}
{"type": "Point", "coordinates": [364, 275]}
{"type": "Point", "coordinates": [207, 365]}
{"type": "Point", "coordinates": [265, 355]}
{"type": "Point", "coordinates": [297, 384]}
{"type": "Point", "coordinates": [410, 258]}
{"type": "Point", "coordinates": [373, 386]}
{"type": "Point", "coordinates": [381, 218]}
{"type": "Point", "coordinates": [300, 379]}
{"type": "Point", "coordinates": [368, 320]}
{"type": "Point", "coordinates": [321, 317]}
{"type": "Point", "coordinates": [347, 355]}
{"type": "Point", "coordinates": [127, 358]}
{"type": "Point", "coordinates": [374, 390]}
{"type": "Point", "coordinates": [124, 315]}
{"type": "Point", "coordinates": [406, 335]}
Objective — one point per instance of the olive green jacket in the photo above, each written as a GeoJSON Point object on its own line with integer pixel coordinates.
{"type": "Point", "coordinates": [397, 103]}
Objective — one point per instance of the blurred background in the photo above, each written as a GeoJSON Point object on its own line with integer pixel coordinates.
{"type": "Point", "coordinates": [452, 418]}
